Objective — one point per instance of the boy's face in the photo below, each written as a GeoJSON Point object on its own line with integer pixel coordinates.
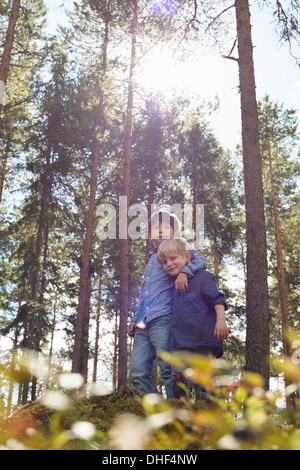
{"type": "Point", "coordinates": [174, 263]}
{"type": "Point", "coordinates": [160, 232]}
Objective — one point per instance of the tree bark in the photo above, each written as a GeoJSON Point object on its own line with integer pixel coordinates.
{"type": "Point", "coordinates": [35, 316]}
{"type": "Point", "coordinates": [115, 355]}
{"type": "Point", "coordinates": [284, 316]}
{"type": "Point", "coordinates": [124, 242]}
{"type": "Point", "coordinates": [97, 327]}
{"type": "Point", "coordinates": [3, 172]}
{"type": "Point", "coordinates": [8, 45]}
{"type": "Point", "coordinates": [80, 352]}
{"type": "Point", "coordinates": [257, 302]}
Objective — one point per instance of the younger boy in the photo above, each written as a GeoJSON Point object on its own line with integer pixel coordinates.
{"type": "Point", "coordinates": [198, 321]}
{"type": "Point", "coordinates": [150, 324]}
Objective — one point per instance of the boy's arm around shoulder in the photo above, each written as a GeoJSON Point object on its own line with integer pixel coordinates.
{"type": "Point", "coordinates": [197, 262]}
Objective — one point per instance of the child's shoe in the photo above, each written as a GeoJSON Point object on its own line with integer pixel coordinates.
{"type": "Point", "coordinates": [178, 390]}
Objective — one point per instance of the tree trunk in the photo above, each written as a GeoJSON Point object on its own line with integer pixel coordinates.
{"type": "Point", "coordinates": [3, 172]}
{"type": "Point", "coordinates": [97, 328]}
{"type": "Point", "coordinates": [35, 314]}
{"type": "Point", "coordinates": [243, 260]}
{"type": "Point", "coordinates": [284, 316]}
{"type": "Point", "coordinates": [80, 352]}
{"type": "Point", "coordinates": [124, 242]}
{"type": "Point", "coordinates": [115, 356]}
{"type": "Point", "coordinates": [51, 346]}
{"type": "Point", "coordinates": [8, 45]}
{"type": "Point", "coordinates": [216, 260]}
{"type": "Point", "coordinates": [257, 302]}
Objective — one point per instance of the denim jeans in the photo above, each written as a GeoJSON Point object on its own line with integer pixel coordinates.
{"type": "Point", "coordinates": [155, 336]}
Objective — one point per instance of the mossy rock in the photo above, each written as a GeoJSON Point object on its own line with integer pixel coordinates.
{"type": "Point", "coordinates": [103, 411]}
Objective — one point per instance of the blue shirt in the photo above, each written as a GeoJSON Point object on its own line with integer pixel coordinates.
{"type": "Point", "coordinates": [157, 287]}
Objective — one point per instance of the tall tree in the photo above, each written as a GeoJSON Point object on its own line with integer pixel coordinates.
{"type": "Point", "coordinates": [209, 16]}
{"type": "Point", "coordinates": [257, 300]}
{"type": "Point", "coordinates": [124, 240]}
{"type": "Point", "coordinates": [99, 298]}
{"type": "Point", "coordinates": [80, 354]}
{"type": "Point", "coordinates": [152, 169]}
{"type": "Point", "coordinates": [35, 221]}
{"type": "Point", "coordinates": [21, 58]}
{"type": "Point", "coordinates": [204, 161]}
{"type": "Point", "coordinates": [286, 21]}
{"type": "Point", "coordinates": [7, 49]}
{"type": "Point", "coordinates": [278, 130]}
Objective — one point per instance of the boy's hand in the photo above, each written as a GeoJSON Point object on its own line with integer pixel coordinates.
{"type": "Point", "coordinates": [181, 283]}
{"type": "Point", "coordinates": [131, 328]}
{"type": "Point", "coordinates": [221, 330]}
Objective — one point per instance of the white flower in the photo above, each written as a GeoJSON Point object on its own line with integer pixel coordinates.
{"type": "Point", "coordinates": [83, 430]}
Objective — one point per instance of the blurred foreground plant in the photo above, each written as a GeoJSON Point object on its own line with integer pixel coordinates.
{"type": "Point", "coordinates": [40, 424]}
{"type": "Point", "coordinates": [241, 413]}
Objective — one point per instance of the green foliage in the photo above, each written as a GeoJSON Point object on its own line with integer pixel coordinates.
{"type": "Point", "coordinates": [240, 415]}
{"type": "Point", "coordinates": [279, 139]}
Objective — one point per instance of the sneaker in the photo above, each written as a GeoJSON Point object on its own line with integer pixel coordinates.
{"type": "Point", "coordinates": [179, 385]}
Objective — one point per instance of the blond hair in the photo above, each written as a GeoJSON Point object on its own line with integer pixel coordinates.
{"type": "Point", "coordinates": [173, 246]}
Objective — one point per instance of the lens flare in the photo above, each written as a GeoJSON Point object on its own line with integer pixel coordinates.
{"type": "Point", "coordinates": [165, 7]}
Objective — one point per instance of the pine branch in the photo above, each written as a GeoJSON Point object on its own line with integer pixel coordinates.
{"type": "Point", "coordinates": [218, 16]}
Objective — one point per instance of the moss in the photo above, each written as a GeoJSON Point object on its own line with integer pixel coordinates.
{"type": "Point", "coordinates": [103, 411]}
{"type": "Point", "coordinates": [31, 415]}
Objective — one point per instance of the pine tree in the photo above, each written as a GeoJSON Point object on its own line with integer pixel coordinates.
{"type": "Point", "coordinates": [207, 16]}
{"type": "Point", "coordinates": [80, 354]}
{"type": "Point", "coordinates": [257, 301]}
{"type": "Point", "coordinates": [7, 48]}
{"type": "Point", "coordinates": [210, 173]}
{"type": "Point", "coordinates": [278, 130]}
{"type": "Point", "coordinates": [22, 57]}
{"type": "Point", "coordinates": [124, 240]}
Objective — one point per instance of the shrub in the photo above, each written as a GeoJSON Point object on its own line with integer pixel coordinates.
{"type": "Point", "coordinates": [240, 415]}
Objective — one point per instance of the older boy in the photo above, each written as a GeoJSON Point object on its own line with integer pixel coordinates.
{"type": "Point", "coordinates": [150, 324]}
{"type": "Point", "coordinates": [198, 321]}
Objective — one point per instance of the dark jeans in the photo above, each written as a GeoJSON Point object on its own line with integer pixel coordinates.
{"type": "Point", "coordinates": [201, 393]}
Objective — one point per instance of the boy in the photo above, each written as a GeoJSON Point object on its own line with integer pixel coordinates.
{"type": "Point", "coordinates": [198, 321]}
{"type": "Point", "coordinates": [150, 324]}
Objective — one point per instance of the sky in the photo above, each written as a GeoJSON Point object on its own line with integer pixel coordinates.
{"type": "Point", "coordinates": [210, 75]}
